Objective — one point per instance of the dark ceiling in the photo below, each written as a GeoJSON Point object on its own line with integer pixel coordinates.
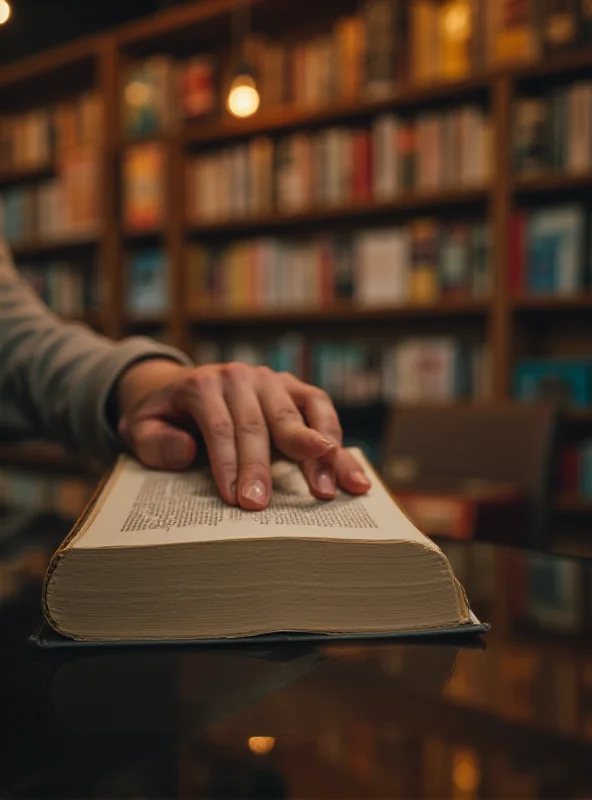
{"type": "Point", "coordinates": [37, 25]}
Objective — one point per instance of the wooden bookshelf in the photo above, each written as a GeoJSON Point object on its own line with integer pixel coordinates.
{"type": "Point", "coordinates": [552, 184]}
{"type": "Point", "coordinates": [345, 312]}
{"type": "Point", "coordinates": [545, 303]}
{"type": "Point", "coordinates": [52, 456]}
{"type": "Point", "coordinates": [288, 118]}
{"type": "Point", "coordinates": [99, 61]}
{"type": "Point", "coordinates": [54, 246]}
{"type": "Point", "coordinates": [35, 172]}
{"type": "Point", "coordinates": [573, 504]}
{"type": "Point", "coordinates": [406, 205]}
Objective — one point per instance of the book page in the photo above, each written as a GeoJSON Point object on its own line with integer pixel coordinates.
{"type": "Point", "coordinates": [142, 507]}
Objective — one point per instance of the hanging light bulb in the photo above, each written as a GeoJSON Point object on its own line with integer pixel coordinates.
{"type": "Point", "coordinates": [243, 98]}
{"type": "Point", "coordinates": [5, 11]}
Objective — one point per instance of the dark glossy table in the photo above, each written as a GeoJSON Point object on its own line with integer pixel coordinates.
{"type": "Point", "coordinates": [349, 720]}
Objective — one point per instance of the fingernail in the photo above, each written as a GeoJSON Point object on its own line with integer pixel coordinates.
{"type": "Point", "coordinates": [176, 452]}
{"type": "Point", "coordinates": [255, 492]}
{"type": "Point", "coordinates": [359, 477]}
{"type": "Point", "coordinates": [325, 483]}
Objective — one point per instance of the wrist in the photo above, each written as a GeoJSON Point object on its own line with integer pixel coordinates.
{"type": "Point", "coordinates": [143, 378]}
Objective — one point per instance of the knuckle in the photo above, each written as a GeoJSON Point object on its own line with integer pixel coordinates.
{"type": "Point", "coordinates": [252, 426]}
{"type": "Point", "coordinates": [256, 465]}
{"type": "Point", "coordinates": [237, 371]}
{"type": "Point", "coordinates": [220, 429]}
{"type": "Point", "coordinates": [199, 382]}
{"type": "Point", "coordinates": [321, 394]}
{"type": "Point", "coordinates": [263, 371]}
{"type": "Point", "coordinates": [286, 416]}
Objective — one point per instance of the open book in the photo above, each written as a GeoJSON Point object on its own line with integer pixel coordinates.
{"type": "Point", "coordinates": [159, 556]}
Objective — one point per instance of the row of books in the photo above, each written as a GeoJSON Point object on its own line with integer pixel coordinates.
{"type": "Point", "coordinates": [554, 132]}
{"type": "Point", "coordinates": [388, 45]}
{"type": "Point", "coordinates": [42, 492]}
{"type": "Point", "coordinates": [33, 138]}
{"type": "Point", "coordinates": [565, 380]}
{"type": "Point", "coordinates": [548, 250]}
{"type": "Point", "coordinates": [68, 289]}
{"type": "Point", "coordinates": [65, 206]}
{"type": "Point", "coordinates": [430, 370]}
{"type": "Point", "coordinates": [421, 262]}
{"type": "Point", "coordinates": [575, 469]}
{"type": "Point", "coordinates": [341, 166]}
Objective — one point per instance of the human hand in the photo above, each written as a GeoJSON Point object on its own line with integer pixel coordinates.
{"type": "Point", "coordinates": [240, 411]}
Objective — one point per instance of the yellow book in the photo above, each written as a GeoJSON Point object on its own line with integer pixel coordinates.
{"type": "Point", "coordinates": [424, 41]}
{"type": "Point", "coordinates": [455, 33]}
{"type": "Point", "coordinates": [513, 32]}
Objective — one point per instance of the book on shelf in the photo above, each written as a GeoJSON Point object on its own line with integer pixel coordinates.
{"type": "Point", "coordinates": [169, 528]}
{"type": "Point", "coordinates": [340, 166]}
{"type": "Point", "coordinates": [417, 370]}
{"type": "Point", "coordinates": [34, 138]}
{"type": "Point", "coordinates": [547, 251]}
{"type": "Point", "coordinates": [420, 263]}
{"type": "Point", "coordinates": [560, 24]}
{"type": "Point", "coordinates": [147, 282]}
{"type": "Point", "coordinates": [564, 380]}
{"type": "Point", "coordinates": [553, 132]}
{"type": "Point", "coordinates": [144, 186]}
{"type": "Point", "coordinates": [69, 289]}
{"type": "Point", "coordinates": [513, 32]}
{"type": "Point", "coordinates": [66, 206]}
{"type": "Point", "coordinates": [199, 87]}
{"type": "Point", "coordinates": [575, 469]}
{"type": "Point", "coordinates": [150, 97]}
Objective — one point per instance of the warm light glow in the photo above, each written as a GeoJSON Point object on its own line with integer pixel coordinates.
{"type": "Point", "coordinates": [261, 745]}
{"type": "Point", "coordinates": [457, 21]}
{"type": "Point", "coordinates": [243, 97]}
{"type": "Point", "coordinates": [4, 11]}
{"type": "Point", "coordinates": [466, 774]}
{"type": "Point", "coordinates": [137, 94]}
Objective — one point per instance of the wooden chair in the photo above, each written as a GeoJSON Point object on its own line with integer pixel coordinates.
{"type": "Point", "coordinates": [511, 443]}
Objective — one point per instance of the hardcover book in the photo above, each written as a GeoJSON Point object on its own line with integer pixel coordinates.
{"type": "Point", "coordinates": [158, 556]}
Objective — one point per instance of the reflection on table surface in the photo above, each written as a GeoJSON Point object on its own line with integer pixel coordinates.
{"type": "Point", "coordinates": [509, 718]}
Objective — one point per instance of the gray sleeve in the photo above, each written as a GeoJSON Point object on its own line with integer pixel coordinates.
{"type": "Point", "coordinates": [55, 378]}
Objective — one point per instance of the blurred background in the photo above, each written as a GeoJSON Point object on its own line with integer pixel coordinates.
{"type": "Point", "coordinates": [387, 198]}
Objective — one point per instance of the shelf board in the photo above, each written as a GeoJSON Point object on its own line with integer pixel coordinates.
{"type": "Point", "coordinates": [345, 312]}
{"type": "Point", "coordinates": [552, 182]}
{"type": "Point", "coordinates": [560, 62]}
{"type": "Point", "coordinates": [532, 303]}
{"type": "Point", "coordinates": [32, 249]}
{"type": "Point", "coordinates": [44, 456]}
{"type": "Point", "coordinates": [146, 234]}
{"type": "Point", "coordinates": [146, 320]}
{"type": "Point", "coordinates": [405, 204]}
{"type": "Point", "coordinates": [290, 117]}
{"type": "Point", "coordinates": [578, 416]}
{"type": "Point", "coordinates": [573, 504]}
{"type": "Point", "coordinates": [29, 173]}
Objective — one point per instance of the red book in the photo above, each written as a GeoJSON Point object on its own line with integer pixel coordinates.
{"type": "Point", "coordinates": [362, 165]}
{"type": "Point", "coordinates": [517, 254]}
{"type": "Point", "coordinates": [569, 468]}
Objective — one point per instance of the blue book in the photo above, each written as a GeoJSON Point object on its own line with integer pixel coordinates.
{"type": "Point", "coordinates": [565, 380]}
{"type": "Point", "coordinates": [147, 283]}
{"type": "Point", "coordinates": [555, 262]}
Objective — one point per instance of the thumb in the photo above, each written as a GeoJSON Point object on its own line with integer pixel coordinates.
{"type": "Point", "coordinates": [159, 445]}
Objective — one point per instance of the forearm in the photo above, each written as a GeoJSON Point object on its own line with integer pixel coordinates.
{"type": "Point", "coordinates": [59, 376]}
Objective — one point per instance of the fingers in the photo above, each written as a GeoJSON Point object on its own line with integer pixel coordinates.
{"type": "Point", "coordinates": [338, 468]}
{"type": "Point", "coordinates": [201, 396]}
{"type": "Point", "coordinates": [159, 445]}
{"type": "Point", "coordinates": [289, 432]}
{"type": "Point", "coordinates": [251, 438]}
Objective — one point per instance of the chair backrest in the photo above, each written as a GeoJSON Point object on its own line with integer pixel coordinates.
{"type": "Point", "coordinates": [511, 442]}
